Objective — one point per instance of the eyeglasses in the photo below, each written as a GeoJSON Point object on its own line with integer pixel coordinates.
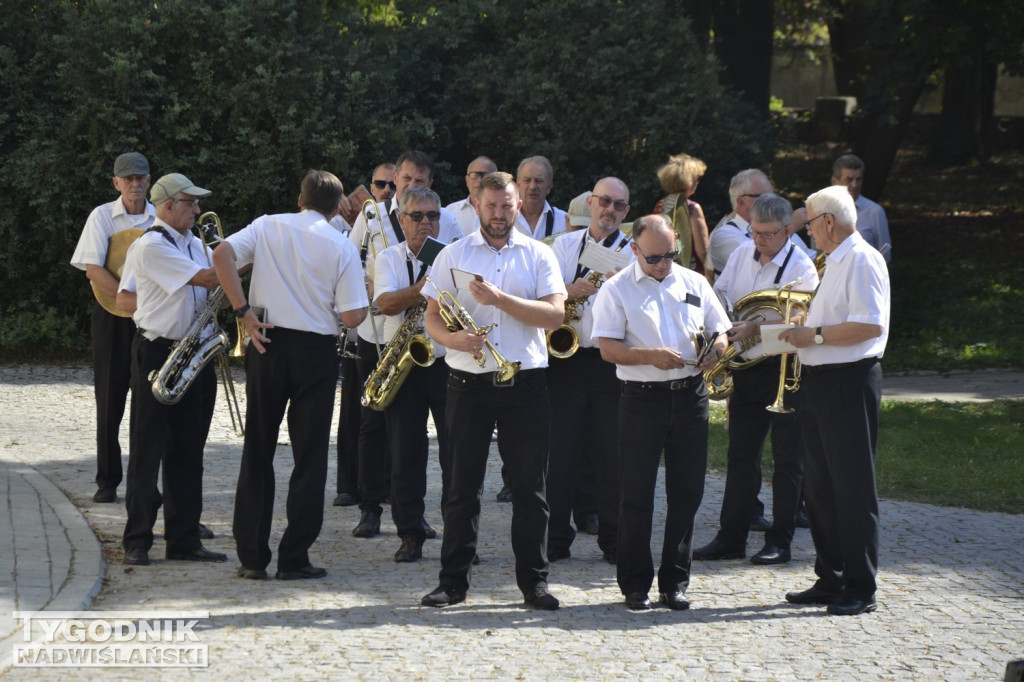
{"type": "Point", "coordinates": [654, 260]}
{"type": "Point", "coordinates": [381, 184]}
{"type": "Point", "coordinates": [808, 223]}
{"type": "Point", "coordinates": [752, 196]}
{"type": "Point", "coordinates": [766, 235]}
{"type": "Point", "coordinates": [476, 175]}
{"type": "Point", "coordinates": [190, 202]}
{"type": "Point", "coordinates": [619, 204]}
{"type": "Point", "coordinates": [418, 216]}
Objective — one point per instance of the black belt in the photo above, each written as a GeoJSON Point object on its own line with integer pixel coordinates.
{"type": "Point", "coordinates": [488, 378]}
{"type": "Point", "coordinates": [811, 370]}
{"type": "Point", "coordinates": [160, 340]}
{"type": "Point", "coordinates": [675, 385]}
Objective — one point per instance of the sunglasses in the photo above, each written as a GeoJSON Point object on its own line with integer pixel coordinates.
{"type": "Point", "coordinates": [418, 216]}
{"type": "Point", "coordinates": [619, 204]}
{"type": "Point", "coordinates": [381, 184]}
{"type": "Point", "coordinates": [654, 260]}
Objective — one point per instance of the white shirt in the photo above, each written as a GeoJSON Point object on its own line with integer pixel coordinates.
{"type": "Point", "coordinates": [539, 232]}
{"type": "Point", "coordinates": [854, 288]}
{"type": "Point", "coordinates": [642, 312]}
{"type": "Point", "coordinates": [304, 273]}
{"type": "Point", "coordinates": [568, 248]}
{"type": "Point", "coordinates": [104, 221]}
{"type": "Point", "coordinates": [744, 275]}
{"type": "Point", "coordinates": [391, 273]}
{"type": "Point", "coordinates": [466, 215]}
{"type": "Point", "coordinates": [524, 268]}
{"type": "Point", "coordinates": [341, 225]}
{"type": "Point", "coordinates": [158, 268]}
{"type": "Point", "coordinates": [873, 226]}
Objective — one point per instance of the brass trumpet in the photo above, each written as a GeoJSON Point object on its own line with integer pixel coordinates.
{"type": "Point", "coordinates": [456, 317]}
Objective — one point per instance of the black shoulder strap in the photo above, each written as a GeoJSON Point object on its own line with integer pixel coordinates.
{"type": "Point", "coordinates": [394, 222]}
{"type": "Point", "coordinates": [162, 231]}
{"type": "Point", "coordinates": [550, 223]}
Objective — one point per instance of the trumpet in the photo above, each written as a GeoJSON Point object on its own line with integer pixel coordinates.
{"type": "Point", "coordinates": [456, 317]}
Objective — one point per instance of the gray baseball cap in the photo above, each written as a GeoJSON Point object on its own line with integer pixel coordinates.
{"type": "Point", "coordinates": [169, 185]}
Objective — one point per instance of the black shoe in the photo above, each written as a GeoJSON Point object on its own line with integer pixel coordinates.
{"type": "Point", "coordinates": [801, 519]}
{"type": "Point", "coordinates": [369, 524]}
{"type": "Point", "coordinates": [410, 551]}
{"type": "Point", "coordinates": [136, 557]}
{"type": "Point", "coordinates": [558, 553]}
{"type": "Point", "coordinates": [346, 500]}
{"type": "Point", "coordinates": [851, 606]}
{"type": "Point", "coordinates": [674, 600]}
{"type": "Point", "coordinates": [759, 524]}
{"type": "Point", "coordinates": [428, 532]}
{"type": "Point", "coordinates": [771, 554]}
{"type": "Point", "coordinates": [307, 572]}
{"type": "Point", "coordinates": [198, 554]}
{"type": "Point", "coordinates": [637, 601]}
{"type": "Point", "coordinates": [539, 598]}
{"type": "Point", "coordinates": [205, 533]}
{"type": "Point", "coordinates": [504, 495]}
{"type": "Point", "coordinates": [718, 551]}
{"type": "Point", "coordinates": [476, 559]}
{"type": "Point", "coordinates": [444, 595]}
{"type": "Point", "coordinates": [589, 524]}
{"type": "Point", "coordinates": [813, 595]}
{"type": "Point", "coordinates": [611, 557]}
{"type": "Point", "coordinates": [105, 495]}
{"type": "Point", "coordinates": [251, 573]}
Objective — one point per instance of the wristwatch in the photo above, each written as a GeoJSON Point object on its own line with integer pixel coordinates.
{"type": "Point", "coordinates": [240, 312]}
{"type": "Point", "coordinates": [818, 338]}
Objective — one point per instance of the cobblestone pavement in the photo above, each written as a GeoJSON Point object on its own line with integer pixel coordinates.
{"type": "Point", "coordinates": [951, 585]}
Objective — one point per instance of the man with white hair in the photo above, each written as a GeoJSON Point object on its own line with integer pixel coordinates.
{"type": "Point", "coordinates": [840, 345]}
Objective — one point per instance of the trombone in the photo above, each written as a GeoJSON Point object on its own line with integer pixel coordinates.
{"type": "Point", "coordinates": [456, 317]}
{"type": "Point", "coordinates": [370, 213]}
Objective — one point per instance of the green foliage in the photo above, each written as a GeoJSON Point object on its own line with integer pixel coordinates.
{"type": "Point", "coordinates": [243, 96]}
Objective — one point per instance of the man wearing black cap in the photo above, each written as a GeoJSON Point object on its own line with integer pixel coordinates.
{"type": "Point", "coordinates": [171, 273]}
{"type": "Point", "coordinates": [111, 332]}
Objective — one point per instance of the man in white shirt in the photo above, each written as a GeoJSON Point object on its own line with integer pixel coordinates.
{"type": "Point", "coordinates": [112, 332]}
{"type": "Point", "coordinates": [518, 295]}
{"type": "Point", "coordinates": [840, 345]}
{"type": "Point", "coordinates": [848, 170]}
{"type": "Point", "coordinates": [538, 219]}
{"type": "Point", "coordinates": [305, 277]}
{"type": "Point", "coordinates": [464, 210]}
{"type": "Point", "coordinates": [645, 320]}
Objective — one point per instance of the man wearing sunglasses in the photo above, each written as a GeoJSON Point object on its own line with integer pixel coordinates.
{"type": "Point", "coordinates": [382, 187]}
{"type": "Point", "coordinates": [767, 261]}
{"type": "Point", "coordinates": [645, 321]}
{"type": "Point", "coordinates": [583, 388]}
{"type": "Point", "coordinates": [464, 210]}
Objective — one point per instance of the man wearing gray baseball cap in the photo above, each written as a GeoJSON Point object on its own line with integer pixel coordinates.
{"type": "Point", "coordinates": [100, 253]}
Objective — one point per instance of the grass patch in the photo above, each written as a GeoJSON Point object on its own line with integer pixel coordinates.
{"type": "Point", "coordinates": [951, 454]}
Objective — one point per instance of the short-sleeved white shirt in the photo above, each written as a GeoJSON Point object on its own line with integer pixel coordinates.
{"type": "Point", "coordinates": [391, 273]}
{"type": "Point", "coordinates": [642, 312]}
{"type": "Point", "coordinates": [104, 221]}
{"type": "Point", "coordinates": [854, 288]}
{"type": "Point", "coordinates": [524, 268]}
{"type": "Point", "coordinates": [466, 216]}
{"type": "Point", "coordinates": [539, 232]}
{"type": "Point", "coordinates": [304, 273]}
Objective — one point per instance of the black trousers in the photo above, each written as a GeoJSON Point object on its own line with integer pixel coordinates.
{"type": "Point", "coordinates": [423, 392]}
{"type": "Point", "coordinates": [749, 424]}
{"type": "Point", "coordinates": [840, 429]}
{"type": "Point", "coordinates": [653, 421]}
{"type": "Point", "coordinates": [112, 338]}
{"type": "Point", "coordinates": [522, 414]}
{"type": "Point", "coordinates": [348, 426]}
{"type": "Point", "coordinates": [585, 426]}
{"type": "Point", "coordinates": [374, 456]}
{"type": "Point", "coordinates": [171, 436]}
{"type": "Point", "coordinates": [299, 372]}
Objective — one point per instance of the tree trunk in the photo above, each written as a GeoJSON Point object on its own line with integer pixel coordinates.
{"type": "Point", "coordinates": [967, 121]}
{"type": "Point", "coordinates": [743, 44]}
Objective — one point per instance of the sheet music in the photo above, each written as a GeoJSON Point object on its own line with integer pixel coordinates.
{"type": "Point", "coordinates": [770, 339]}
{"type": "Point", "coordinates": [604, 260]}
{"type": "Point", "coordinates": [462, 278]}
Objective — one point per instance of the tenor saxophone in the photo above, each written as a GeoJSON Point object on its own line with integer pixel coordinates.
{"type": "Point", "coordinates": [408, 347]}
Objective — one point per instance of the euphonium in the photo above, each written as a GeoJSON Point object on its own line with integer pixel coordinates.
{"type": "Point", "coordinates": [407, 348]}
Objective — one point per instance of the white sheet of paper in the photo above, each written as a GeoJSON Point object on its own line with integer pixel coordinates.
{"type": "Point", "coordinates": [464, 277]}
{"type": "Point", "coordinates": [604, 260]}
{"type": "Point", "coordinates": [770, 339]}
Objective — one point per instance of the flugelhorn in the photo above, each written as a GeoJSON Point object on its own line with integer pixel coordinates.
{"type": "Point", "coordinates": [779, 406]}
{"type": "Point", "coordinates": [456, 317]}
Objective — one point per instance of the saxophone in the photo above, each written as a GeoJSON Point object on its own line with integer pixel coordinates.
{"type": "Point", "coordinates": [189, 356]}
{"type": "Point", "coordinates": [565, 341]}
{"type": "Point", "coordinates": [408, 347]}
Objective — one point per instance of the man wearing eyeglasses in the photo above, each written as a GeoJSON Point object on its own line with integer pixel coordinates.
{"type": "Point", "coordinates": [170, 271]}
{"type": "Point", "coordinates": [744, 188]}
{"type": "Point", "coordinates": [399, 277]}
{"type": "Point", "coordinates": [465, 209]}
{"type": "Point", "coordinates": [583, 388]}
{"type": "Point", "coordinates": [765, 262]}
{"type": "Point", "coordinates": [519, 294]}
{"type": "Point", "coordinates": [840, 344]}
{"type": "Point", "coordinates": [645, 320]}
{"type": "Point", "coordinates": [413, 169]}
{"type": "Point", "coordinates": [538, 219]}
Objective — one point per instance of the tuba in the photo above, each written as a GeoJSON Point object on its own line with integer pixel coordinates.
{"type": "Point", "coordinates": [408, 347]}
